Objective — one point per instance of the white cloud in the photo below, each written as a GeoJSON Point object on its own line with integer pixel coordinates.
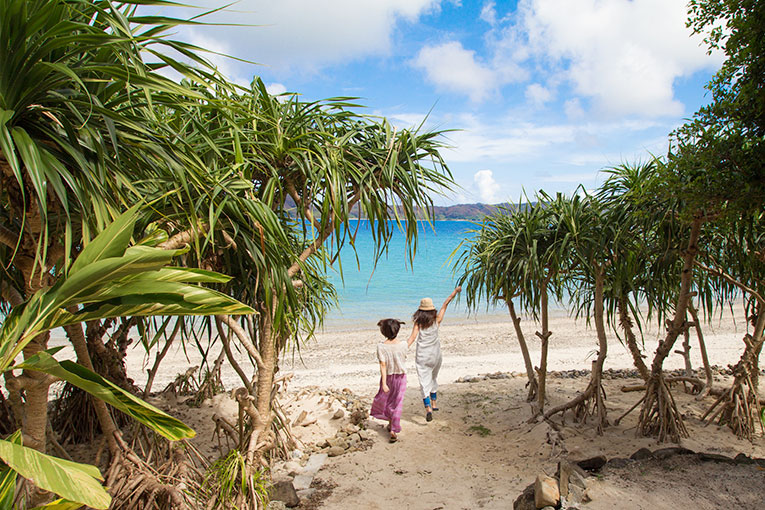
{"type": "Point", "coordinates": [487, 186]}
{"type": "Point", "coordinates": [452, 67]}
{"type": "Point", "coordinates": [624, 55]}
{"type": "Point", "coordinates": [276, 88]}
{"type": "Point", "coordinates": [573, 108]}
{"type": "Point", "coordinates": [489, 13]}
{"type": "Point", "coordinates": [538, 94]}
{"type": "Point", "coordinates": [304, 36]}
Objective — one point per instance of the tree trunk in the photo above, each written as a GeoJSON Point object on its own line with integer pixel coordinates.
{"type": "Point", "coordinates": [544, 336]}
{"type": "Point", "coordinates": [739, 405]}
{"type": "Point", "coordinates": [532, 384]}
{"type": "Point", "coordinates": [77, 337]}
{"type": "Point", "coordinates": [626, 323]}
{"type": "Point", "coordinates": [659, 415]}
{"type": "Point", "coordinates": [592, 401]}
{"type": "Point", "coordinates": [35, 386]}
{"type": "Point", "coordinates": [703, 350]}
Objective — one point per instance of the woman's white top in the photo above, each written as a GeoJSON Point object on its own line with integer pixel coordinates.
{"type": "Point", "coordinates": [394, 357]}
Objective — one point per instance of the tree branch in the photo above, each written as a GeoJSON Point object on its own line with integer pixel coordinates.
{"type": "Point", "coordinates": [241, 334]}
{"type": "Point", "coordinates": [731, 280]}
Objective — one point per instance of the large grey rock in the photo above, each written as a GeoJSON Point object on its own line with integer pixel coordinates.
{"type": "Point", "coordinates": [546, 491]}
{"type": "Point", "coordinates": [284, 491]}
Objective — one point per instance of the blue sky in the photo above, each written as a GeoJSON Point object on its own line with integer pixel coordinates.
{"type": "Point", "coordinates": [541, 94]}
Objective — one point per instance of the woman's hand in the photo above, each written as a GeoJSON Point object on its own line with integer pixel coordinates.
{"type": "Point", "coordinates": [385, 388]}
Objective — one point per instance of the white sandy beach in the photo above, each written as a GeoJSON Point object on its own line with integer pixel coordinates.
{"type": "Point", "coordinates": [448, 464]}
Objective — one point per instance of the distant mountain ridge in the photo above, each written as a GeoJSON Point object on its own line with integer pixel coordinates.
{"type": "Point", "coordinates": [465, 212]}
{"type": "Point", "coordinates": [471, 212]}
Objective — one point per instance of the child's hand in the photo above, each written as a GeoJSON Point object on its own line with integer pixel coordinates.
{"type": "Point", "coordinates": [458, 289]}
{"type": "Point", "coordinates": [385, 388]}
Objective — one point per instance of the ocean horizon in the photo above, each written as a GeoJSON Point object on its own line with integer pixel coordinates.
{"type": "Point", "coordinates": [394, 286]}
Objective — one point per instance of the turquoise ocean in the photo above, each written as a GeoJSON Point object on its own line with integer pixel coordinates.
{"type": "Point", "coordinates": [393, 288]}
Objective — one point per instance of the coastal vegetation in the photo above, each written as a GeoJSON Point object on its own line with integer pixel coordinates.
{"type": "Point", "coordinates": [656, 241]}
{"type": "Point", "coordinates": [107, 164]}
{"type": "Point", "coordinates": [111, 171]}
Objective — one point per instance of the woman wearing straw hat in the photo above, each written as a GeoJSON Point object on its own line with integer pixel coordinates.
{"type": "Point", "coordinates": [428, 356]}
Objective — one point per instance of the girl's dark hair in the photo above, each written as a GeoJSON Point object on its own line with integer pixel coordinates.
{"type": "Point", "coordinates": [424, 318]}
{"type": "Point", "coordinates": [389, 328]}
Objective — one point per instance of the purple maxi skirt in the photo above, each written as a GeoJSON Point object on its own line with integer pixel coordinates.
{"type": "Point", "coordinates": [388, 406]}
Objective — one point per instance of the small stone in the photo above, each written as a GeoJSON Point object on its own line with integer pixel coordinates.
{"type": "Point", "coordinates": [306, 493]}
{"type": "Point", "coordinates": [526, 500]}
{"type": "Point", "coordinates": [593, 463]}
{"type": "Point", "coordinates": [358, 416]}
{"type": "Point", "coordinates": [314, 464]}
{"type": "Point", "coordinates": [338, 414]}
{"type": "Point", "coordinates": [742, 458]}
{"type": "Point", "coordinates": [715, 457]}
{"type": "Point", "coordinates": [564, 473]}
{"type": "Point", "coordinates": [297, 454]}
{"type": "Point", "coordinates": [335, 451]}
{"type": "Point", "coordinates": [576, 495]}
{"type": "Point", "coordinates": [664, 453]}
{"type": "Point", "coordinates": [276, 505]}
{"type": "Point", "coordinates": [301, 417]}
{"type": "Point", "coordinates": [337, 442]}
{"type": "Point", "coordinates": [366, 434]}
{"type": "Point", "coordinates": [293, 468]}
{"type": "Point", "coordinates": [641, 454]}
{"type": "Point", "coordinates": [576, 479]}
{"type": "Point", "coordinates": [617, 463]}
{"type": "Point", "coordinates": [302, 481]}
{"type": "Point", "coordinates": [284, 491]}
{"type": "Point", "coordinates": [546, 491]}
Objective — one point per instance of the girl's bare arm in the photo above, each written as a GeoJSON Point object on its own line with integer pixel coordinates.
{"type": "Point", "coordinates": [442, 312]}
{"type": "Point", "coordinates": [413, 336]}
{"type": "Point", "coordinates": [384, 375]}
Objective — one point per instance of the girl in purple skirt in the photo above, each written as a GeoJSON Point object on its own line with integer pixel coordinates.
{"type": "Point", "coordinates": [389, 401]}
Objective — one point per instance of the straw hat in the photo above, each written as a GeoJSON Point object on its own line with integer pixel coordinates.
{"type": "Point", "coordinates": [426, 304]}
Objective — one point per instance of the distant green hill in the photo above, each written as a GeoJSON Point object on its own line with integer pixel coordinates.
{"type": "Point", "coordinates": [465, 212]}
{"type": "Point", "coordinates": [470, 212]}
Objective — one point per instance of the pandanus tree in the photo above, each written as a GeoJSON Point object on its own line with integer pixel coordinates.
{"type": "Point", "coordinates": [519, 255]}
{"type": "Point", "coordinates": [734, 261]}
{"type": "Point", "coordinates": [109, 278]}
{"type": "Point", "coordinates": [79, 141]}
{"type": "Point", "coordinates": [313, 165]}
{"type": "Point", "coordinates": [591, 234]}
{"type": "Point", "coordinates": [489, 264]}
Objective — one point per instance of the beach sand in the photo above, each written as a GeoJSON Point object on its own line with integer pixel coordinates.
{"type": "Point", "coordinates": [480, 451]}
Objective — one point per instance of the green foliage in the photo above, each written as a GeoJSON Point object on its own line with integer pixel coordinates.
{"type": "Point", "coordinates": [105, 390]}
{"type": "Point", "coordinates": [229, 480]}
{"type": "Point", "coordinates": [717, 156]}
{"type": "Point", "coordinates": [480, 430]}
{"type": "Point", "coordinates": [75, 482]}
